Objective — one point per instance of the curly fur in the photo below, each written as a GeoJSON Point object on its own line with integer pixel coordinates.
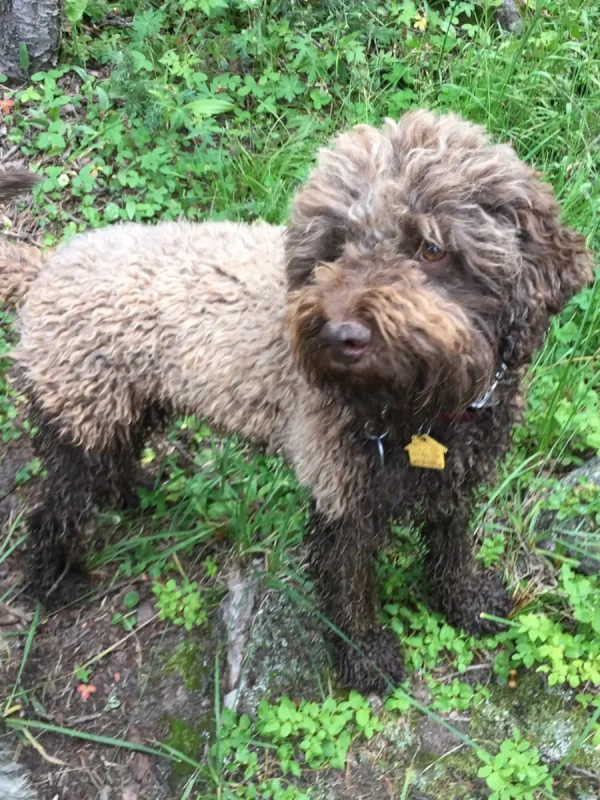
{"type": "Point", "coordinates": [15, 181]}
{"type": "Point", "coordinates": [229, 322]}
{"type": "Point", "coordinates": [14, 782]}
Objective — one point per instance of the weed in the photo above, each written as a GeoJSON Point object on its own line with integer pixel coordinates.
{"type": "Point", "coordinates": [181, 604]}
{"type": "Point", "coordinates": [9, 428]}
{"type": "Point", "coordinates": [516, 771]}
{"type": "Point", "coordinates": [297, 734]}
{"type": "Point", "coordinates": [565, 656]}
{"type": "Point", "coordinates": [127, 620]}
{"type": "Point", "coordinates": [455, 696]}
{"type": "Point", "coordinates": [491, 550]}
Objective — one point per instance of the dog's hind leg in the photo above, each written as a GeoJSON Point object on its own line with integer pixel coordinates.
{"type": "Point", "coordinates": [78, 478]}
{"type": "Point", "coordinates": [123, 476]}
{"type": "Point", "coordinates": [55, 522]}
{"type": "Point", "coordinates": [342, 563]}
{"type": "Point", "coordinates": [460, 588]}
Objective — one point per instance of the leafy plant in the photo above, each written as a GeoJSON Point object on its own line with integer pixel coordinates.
{"type": "Point", "coordinates": [82, 674]}
{"type": "Point", "coordinates": [516, 771]}
{"type": "Point", "coordinates": [315, 734]}
{"type": "Point", "coordinates": [128, 620]}
{"type": "Point", "coordinates": [565, 656]}
{"type": "Point", "coordinates": [181, 604]}
{"type": "Point", "coordinates": [455, 696]}
{"type": "Point", "coordinates": [492, 548]}
{"type": "Point", "coordinates": [323, 732]}
{"type": "Point", "coordinates": [9, 428]}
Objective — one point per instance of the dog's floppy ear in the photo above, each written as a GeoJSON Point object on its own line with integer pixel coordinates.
{"type": "Point", "coordinates": [556, 256]}
{"type": "Point", "coordinates": [315, 233]}
{"type": "Point", "coordinates": [556, 265]}
{"type": "Point", "coordinates": [322, 209]}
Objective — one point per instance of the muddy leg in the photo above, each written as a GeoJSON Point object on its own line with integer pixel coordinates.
{"type": "Point", "coordinates": [342, 564]}
{"type": "Point", "coordinates": [460, 588]}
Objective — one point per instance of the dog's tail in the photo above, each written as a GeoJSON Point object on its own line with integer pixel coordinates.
{"type": "Point", "coordinates": [15, 182]}
{"type": "Point", "coordinates": [19, 263]}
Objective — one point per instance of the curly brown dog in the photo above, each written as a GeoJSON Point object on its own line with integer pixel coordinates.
{"type": "Point", "coordinates": [416, 277]}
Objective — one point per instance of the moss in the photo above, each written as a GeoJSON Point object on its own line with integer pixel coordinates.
{"type": "Point", "coordinates": [188, 740]}
{"type": "Point", "coordinates": [188, 660]}
{"type": "Point", "coordinates": [549, 718]}
{"type": "Point", "coordinates": [189, 719]}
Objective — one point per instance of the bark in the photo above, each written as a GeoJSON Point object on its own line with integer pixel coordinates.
{"type": "Point", "coordinates": [35, 23]}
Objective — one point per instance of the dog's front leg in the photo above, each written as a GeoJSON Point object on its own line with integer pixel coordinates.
{"type": "Point", "coordinates": [342, 564]}
{"type": "Point", "coordinates": [460, 588]}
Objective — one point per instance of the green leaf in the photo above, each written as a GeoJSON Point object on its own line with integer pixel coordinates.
{"type": "Point", "coordinates": [103, 100]}
{"type": "Point", "coordinates": [74, 9]}
{"type": "Point", "coordinates": [131, 600]}
{"type": "Point", "coordinates": [24, 59]}
{"type": "Point", "coordinates": [362, 717]}
{"type": "Point", "coordinates": [130, 206]}
{"type": "Point", "coordinates": [495, 782]}
{"type": "Point", "coordinates": [356, 700]}
{"type": "Point", "coordinates": [210, 106]}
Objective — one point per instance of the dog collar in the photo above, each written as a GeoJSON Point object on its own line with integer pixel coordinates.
{"type": "Point", "coordinates": [468, 415]}
{"type": "Point", "coordinates": [377, 439]}
{"type": "Point", "coordinates": [478, 405]}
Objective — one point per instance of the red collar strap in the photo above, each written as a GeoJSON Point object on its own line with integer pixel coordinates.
{"type": "Point", "coordinates": [468, 415]}
{"type": "Point", "coordinates": [472, 411]}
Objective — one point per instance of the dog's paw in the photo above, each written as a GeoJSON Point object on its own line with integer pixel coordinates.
{"type": "Point", "coordinates": [129, 498]}
{"type": "Point", "coordinates": [480, 592]}
{"type": "Point", "coordinates": [64, 589]}
{"type": "Point", "coordinates": [372, 663]}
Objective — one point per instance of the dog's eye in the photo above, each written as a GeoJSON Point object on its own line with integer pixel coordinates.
{"type": "Point", "coordinates": [431, 252]}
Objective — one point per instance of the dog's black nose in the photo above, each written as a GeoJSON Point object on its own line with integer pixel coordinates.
{"type": "Point", "coordinates": [351, 338]}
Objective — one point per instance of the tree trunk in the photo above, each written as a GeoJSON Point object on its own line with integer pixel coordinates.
{"type": "Point", "coordinates": [29, 36]}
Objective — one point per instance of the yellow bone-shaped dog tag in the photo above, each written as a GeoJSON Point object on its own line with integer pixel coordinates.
{"type": "Point", "coordinates": [424, 451]}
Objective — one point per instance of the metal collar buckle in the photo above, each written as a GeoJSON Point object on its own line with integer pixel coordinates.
{"type": "Point", "coordinates": [477, 405]}
{"type": "Point", "coordinates": [377, 438]}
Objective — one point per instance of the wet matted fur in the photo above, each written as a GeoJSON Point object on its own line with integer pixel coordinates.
{"type": "Point", "coordinates": [417, 259]}
{"type": "Point", "coordinates": [14, 779]}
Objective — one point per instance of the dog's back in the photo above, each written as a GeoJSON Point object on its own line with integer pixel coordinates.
{"type": "Point", "coordinates": [189, 314]}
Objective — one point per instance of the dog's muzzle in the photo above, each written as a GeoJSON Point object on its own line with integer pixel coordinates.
{"type": "Point", "coordinates": [348, 340]}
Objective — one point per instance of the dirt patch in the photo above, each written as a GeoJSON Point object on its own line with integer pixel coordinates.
{"type": "Point", "coordinates": [137, 684]}
{"type": "Point", "coordinates": [132, 693]}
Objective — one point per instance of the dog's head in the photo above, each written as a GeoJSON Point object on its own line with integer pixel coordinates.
{"type": "Point", "coordinates": [420, 256]}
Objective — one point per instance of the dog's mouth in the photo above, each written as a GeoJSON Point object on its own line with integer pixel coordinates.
{"type": "Point", "coordinates": [354, 351]}
{"type": "Point", "coordinates": [348, 353]}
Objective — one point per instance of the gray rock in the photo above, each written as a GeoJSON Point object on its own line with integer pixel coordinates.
{"type": "Point", "coordinates": [574, 534]}
{"type": "Point", "coordinates": [509, 18]}
{"type": "Point", "coordinates": [437, 740]}
{"type": "Point", "coordinates": [284, 654]}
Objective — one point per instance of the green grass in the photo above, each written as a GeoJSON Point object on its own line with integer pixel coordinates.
{"type": "Point", "coordinates": [214, 109]}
